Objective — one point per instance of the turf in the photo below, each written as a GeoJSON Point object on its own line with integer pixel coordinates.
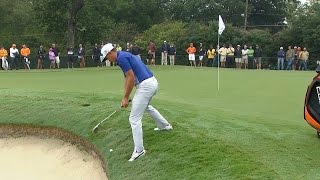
{"type": "Point", "coordinates": [252, 128]}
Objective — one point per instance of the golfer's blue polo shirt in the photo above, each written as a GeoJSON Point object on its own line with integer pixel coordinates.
{"type": "Point", "coordinates": [127, 61]}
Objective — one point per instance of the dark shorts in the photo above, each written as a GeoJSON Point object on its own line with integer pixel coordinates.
{"type": "Point", "coordinates": [258, 60]}
{"type": "Point", "coordinates": [150, 56]}
{"type": "Point", "coordinates": [70, 59]}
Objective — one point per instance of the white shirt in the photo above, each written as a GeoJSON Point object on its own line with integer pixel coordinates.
{"type": "Point", "coordinates": [244, 52]}
{"type": "Point", "coordinates": [13, 51]}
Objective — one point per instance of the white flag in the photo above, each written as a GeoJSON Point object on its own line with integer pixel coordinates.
{"type": "Point", "coordinates": [221, 25]}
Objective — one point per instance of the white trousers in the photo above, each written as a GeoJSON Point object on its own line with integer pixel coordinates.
{"type": "Point", "coordinates": [171, 57]}
{"type": "Point", "coordinates": [164, 58]}
{"type": "Point", "coordinates": [5, 64]}
{"type": "Point", "coordinates": [140, 103]}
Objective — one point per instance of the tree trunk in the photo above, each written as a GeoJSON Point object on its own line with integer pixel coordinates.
{"type": "Point", "coordinates": [71, 31]}
{"type": "Point", "coordinates": [72, 23]}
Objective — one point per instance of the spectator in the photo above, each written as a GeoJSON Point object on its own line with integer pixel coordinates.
{"type": "Point", "coordinates": [250, 57]}
{"type": "Point", "coordinates": [70, 55]}
{"type": "Point", "coordinates": [103, 63]}
{"type": "Point", "coordinates": [128, 47]}
{"type": "Point", "coordinates": [192, 57]}
{"type": "Point", "coordinates": [3, 57]}
{"type": "Point", "coordinates": [230, 55]}
{"type": "Point", "coordinates": [281, 56]}
{"type": "Point", "coordinates": [258, 57]}
{"type": "Point", "coordinates": [41, 55]}
{"type": "Point", "coordinates": [238, 56]}
{"type": "Point", "coordinates": [172, 53]}
{"type": "Point", "coordinates": [57, 56]}
{"type": "Point", "coordinates": [14, 57]}
{"type": "Point", "coordinates": [223, 56]}
{"type": "Point", "coordinates": [304, 59]}
{"type": "Point", "coordinates": [216, 60]}
{"type": "Point", "coordinates": [152, 50]}
{"type": "Point", "coordinates": [299, 62]}
{"type": "Point", "coordinates": [164, 53]}
{"type": "Point", "coordinates": [52, 58]}
{"type": "Point", "coordinates": [295, 58]}
{"type": "Point", "coordinates": [244, 59]}
{"type": "Point", "coordinates": [25, 53]}
{"type": "Point", "coordinates": [118, 47]}
{"type": "Point", "coordinates": [289, 56]}
{"type": "Point", "coordinates": [202, 52]}
{"type": "Point", "coordinates": [210, 55]}
{"type": "Point", "coordinates": [81, 54]}
{"type": "Point", "coordinates": [135, 50]}
{"type": "Point", "coordinates": [96, 55]}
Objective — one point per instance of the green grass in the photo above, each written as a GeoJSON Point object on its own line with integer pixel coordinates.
{"type": "Point", "coordinates": [253, 128]}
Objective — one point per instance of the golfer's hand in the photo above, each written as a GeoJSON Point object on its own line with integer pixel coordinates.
{"type": "Point", "coordinates": [124, 103]}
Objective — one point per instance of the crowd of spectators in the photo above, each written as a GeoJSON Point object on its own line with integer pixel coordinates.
{"type": "Point", "coordinates": [240, 57]}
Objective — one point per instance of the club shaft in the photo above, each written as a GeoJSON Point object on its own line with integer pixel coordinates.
{"type": "Point", "coordinates": [109, 116]}
{"type": "Point", "coordinates": [97, 126]}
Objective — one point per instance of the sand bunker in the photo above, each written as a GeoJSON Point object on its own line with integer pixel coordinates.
{"type": "Point", "coordinates": [26, 156]}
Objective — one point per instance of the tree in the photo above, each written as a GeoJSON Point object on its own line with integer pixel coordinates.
{"type": "Point", "coordinates": [169, 31]}
{"type": "Point", "coordinates": [75, 7]}
{"type": "Point", "coordinates": [142, 13]}
{"type": "Point", "coordinates": [13, 29]}
{"type": "Point", "coordinates": [62, 12]}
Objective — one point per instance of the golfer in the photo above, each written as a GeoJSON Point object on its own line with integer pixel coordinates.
{"type": "Point", "coordinates": [136, 74]}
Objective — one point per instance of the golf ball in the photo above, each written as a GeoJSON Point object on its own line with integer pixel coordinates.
{"type": "Point", "coordinates": [111, 150]}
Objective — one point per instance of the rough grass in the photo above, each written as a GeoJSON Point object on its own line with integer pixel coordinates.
{"type": "Point", "coordinates": [253, 128]}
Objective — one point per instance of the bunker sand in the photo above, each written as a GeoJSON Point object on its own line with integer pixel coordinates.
{"type": "Point", "coordinates": [29, 152]}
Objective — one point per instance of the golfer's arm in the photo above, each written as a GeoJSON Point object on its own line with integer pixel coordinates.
{"type": "Point", "coordinates": [129, 83]}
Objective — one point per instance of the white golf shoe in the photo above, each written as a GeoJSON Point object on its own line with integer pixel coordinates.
{"type": "Point", "coordinates": [167, 128]}
{"type": "Point", "coordinates": [135, 155]}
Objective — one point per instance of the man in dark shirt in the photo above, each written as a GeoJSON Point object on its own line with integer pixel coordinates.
{"type": "Point", "coordinates": [135, 50]}
{"type": "Point", "coordinates": [164, 53]}
{"type": "Point", "coordinates": [238, 56]}
{"type": "Point", "coordinates": [96, 55]}
{"type": "Point", "coordinates": [41, 55]}
{"type": "Point", "coordinates": [258, 57]}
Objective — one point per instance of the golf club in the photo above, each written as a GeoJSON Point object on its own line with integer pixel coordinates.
{"type": "Point", "coordinates": [96, 128]}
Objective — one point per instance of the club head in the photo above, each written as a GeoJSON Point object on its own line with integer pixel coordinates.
{"type": "Point", "coordinates": [95, 129]}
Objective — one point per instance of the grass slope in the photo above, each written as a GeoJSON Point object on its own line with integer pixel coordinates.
{"type": "Point", "coordinates": [253, 128]}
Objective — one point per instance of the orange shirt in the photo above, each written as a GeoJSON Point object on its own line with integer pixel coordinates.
{"type": "Point", "coordinates": [3, 53]}
{"type": "Point", "coordinates": [25, 52]}
{"type": "Point", "coordinates": [191, 50]}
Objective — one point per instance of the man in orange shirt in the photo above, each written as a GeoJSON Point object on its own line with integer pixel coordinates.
{"type": "Point", "coordinates": [192, 57]}
{"type": "Point", "coordinates": [3, 57]}
{"type": "Point", "coordinates": [25, 53]}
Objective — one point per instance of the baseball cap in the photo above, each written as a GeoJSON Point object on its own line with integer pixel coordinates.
{"type": "Point", "coordinates": [105, 50]}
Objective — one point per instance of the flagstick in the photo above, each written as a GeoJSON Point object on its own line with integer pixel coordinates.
{"type": "Point", "coordinates": [220, 30]}
{"type": "Point", "coordinates": [218, 62]}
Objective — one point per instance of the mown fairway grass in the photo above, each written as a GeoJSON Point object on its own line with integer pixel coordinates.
{"type": "Point", "coordinates": [253, 128]}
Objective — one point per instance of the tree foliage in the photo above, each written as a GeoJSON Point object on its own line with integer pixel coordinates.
{"type": "Point", "coordinates": [142, 13]}
{"type": "Point", "coordinates": [44, 22]}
